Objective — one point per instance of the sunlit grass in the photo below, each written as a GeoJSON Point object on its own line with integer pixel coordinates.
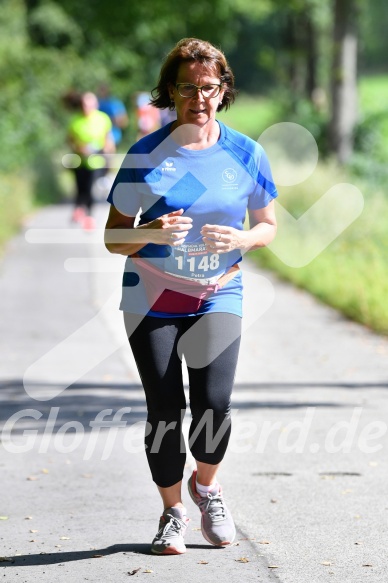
{"type": "Point", "coordinates": [16, 200]}
{"type": "Point", "coordinates": [373, 93]}
{"type": "Point", "coordinates": [251, 115]}
{"type": "Point", "coordinates": [351, 273]}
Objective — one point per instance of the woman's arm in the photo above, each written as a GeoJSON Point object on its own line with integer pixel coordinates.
{"type": "Point", "coordinates": [109, 145]}
{"type": "Point", "coordinates": [263, 227]}
{"type": "Point", "coordinates": [123, 238]}
{"type": "Point", "coordinates": [262, 231]}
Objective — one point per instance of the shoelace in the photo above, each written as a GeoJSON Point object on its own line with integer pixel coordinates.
{"type": "Point", "coordinates": [174, 524]}
{"type": "Point", "coordinates": [214, 505]}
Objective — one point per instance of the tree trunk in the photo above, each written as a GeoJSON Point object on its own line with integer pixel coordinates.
{"type": "Point", "coordinates": [344, 79]}
{"type": "Point", "coordinates": [311, 55]}
{"type": "Point", "coordinates": [291, 48]}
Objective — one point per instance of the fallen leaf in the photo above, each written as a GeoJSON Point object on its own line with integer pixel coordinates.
{"type": "Point", "coordinates": [3, 517]}
{"type": "Point", "coordinates": [367, 565]}
{"type": "Point", "coordinates": [28, 518]}
{"type": "Point", "coordinates": [64, 538]}
{"type": "Point", "coordinates": [33, 530]}
{"type": "Point", "coordinates": [134, 571]}
{"type": "Point", "coordinates": [242, 560]}
{"type": "Point", "coordinates": [264, 542]}
{"type": "Point", "coordinates": [32, 478]}
{"type": "Point", "coordinates": [203, 562]}
{"type": "Point", "coordinates": [97, 556]}
{"type": "Point", "coordinates": [148, 571]}
{"type": "Point", "coordinates": [33, 541]}
{"type": "Point", "coordinates": [326, 563]}
{"type": "Point", "coordinates": [273, 567]}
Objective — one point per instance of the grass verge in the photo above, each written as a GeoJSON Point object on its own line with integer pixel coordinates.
{"type": "Point", "coordinates": [16, 201]}
{"type": "Point", "coordinates": [24, 191]}
{"type": "Point", "coordinates": [351, 273]}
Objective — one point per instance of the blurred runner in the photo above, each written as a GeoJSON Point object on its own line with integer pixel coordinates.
{"type": "Point", "coordinates": [116, 111]}
{"type": "Point", "coordinates": [167, 116]}
{"type": "Point", "coordinates": [148, 116]}
{"type": "Point", "coordinates": [89, 133]}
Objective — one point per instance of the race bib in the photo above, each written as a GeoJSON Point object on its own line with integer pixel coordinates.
{"type": "Point", "coordinates": [193, 261]}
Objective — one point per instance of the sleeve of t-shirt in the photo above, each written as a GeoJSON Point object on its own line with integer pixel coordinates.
{"type": "Point", "coordinates": [118, 108]}
{"type": "Point", "coordinates": [105, 123]}
{"type": "Point", "coordinates": [108, 124]}
{"type": "Point", "coordinates": [265, 189]}
{"type": "Point", "coordinates": [124, 195]}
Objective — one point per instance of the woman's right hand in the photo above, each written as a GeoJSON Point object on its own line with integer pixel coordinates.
{"type": "Point", "coordinates": [170, 229]}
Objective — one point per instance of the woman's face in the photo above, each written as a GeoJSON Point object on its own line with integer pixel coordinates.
{"type": "Point", "coordinates": [197, 110]}
{"type": "Point", "coordinates": [89, 103]}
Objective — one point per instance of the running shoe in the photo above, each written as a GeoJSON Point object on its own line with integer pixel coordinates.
{"type": "Point", "coordinates": [89, 223]}
{"type": "Point", "coordinates": [172, 528]}
{"type": "Point", "coordinates": [217, 523]}
{"type": "Point", "coordinates": [78, 215]}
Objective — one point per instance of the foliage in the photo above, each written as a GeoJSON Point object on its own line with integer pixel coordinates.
{"type": "Point", "coordinates": [49, 46]}
{"type": "Point", "coordinates": [371, 134]}
{"type": "Point", "coordinates": [373, 35]}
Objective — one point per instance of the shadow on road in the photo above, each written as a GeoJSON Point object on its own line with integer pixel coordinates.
{"type": "Point", "coordinates": [58, 558]}
{"type": "Point", "coordinates": [84, 401]}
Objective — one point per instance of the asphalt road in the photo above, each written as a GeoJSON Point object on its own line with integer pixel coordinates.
{"type": "Point", "coordinates": [305, 473]}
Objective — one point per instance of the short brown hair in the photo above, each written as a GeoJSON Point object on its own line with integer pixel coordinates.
{"type": "Point", "coordinates": [189, 50]}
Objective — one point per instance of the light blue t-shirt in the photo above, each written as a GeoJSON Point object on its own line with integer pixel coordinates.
{"type": "Point", "coordinates": [113, 107]}
{"type": "Point", "coordinates": [214, 186]}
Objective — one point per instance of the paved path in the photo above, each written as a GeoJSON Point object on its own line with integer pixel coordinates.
{"type": "Point", "coordinates": [305, 474]}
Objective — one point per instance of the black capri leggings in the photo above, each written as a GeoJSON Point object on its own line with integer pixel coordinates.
{"type": "Point", "coordinates": [210, 344]}
{"type": "Point", "coordinates": [84, 178]}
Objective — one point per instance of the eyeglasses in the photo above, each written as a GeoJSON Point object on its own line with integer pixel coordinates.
{"type": "Point", "coordinates": [189, 89]}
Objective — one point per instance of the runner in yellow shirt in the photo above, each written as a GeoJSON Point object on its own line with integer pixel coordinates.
{"type": "Point", "coordinates": [89, 133]}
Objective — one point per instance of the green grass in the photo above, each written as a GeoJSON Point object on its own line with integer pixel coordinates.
{"type": "Point", "coordinates": [373, 94]}
{"type": "Point", "coordinates": [16, 201]}
{"type": "Point", "coordinates": [351, 273]}
{"type": "Point", "coordinates": [251, 115]}
{"type": "Point", "coordinates": [23, 192]}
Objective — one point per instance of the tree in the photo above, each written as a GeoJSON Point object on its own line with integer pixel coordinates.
{"type": "Point", "coordinates": [344, 78]}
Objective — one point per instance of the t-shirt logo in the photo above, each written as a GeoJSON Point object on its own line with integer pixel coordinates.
{"type": "Point", "coordinates": [229, 175]}
{"type": "Point", "coordinates": [168, 167]}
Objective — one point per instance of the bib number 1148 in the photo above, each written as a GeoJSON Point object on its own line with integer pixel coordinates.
{"type": "Point", "coordinates": [206, 262]}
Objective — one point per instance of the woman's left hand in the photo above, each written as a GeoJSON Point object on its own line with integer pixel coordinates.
{"type": "Point", "coordinates": [220, 239]}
